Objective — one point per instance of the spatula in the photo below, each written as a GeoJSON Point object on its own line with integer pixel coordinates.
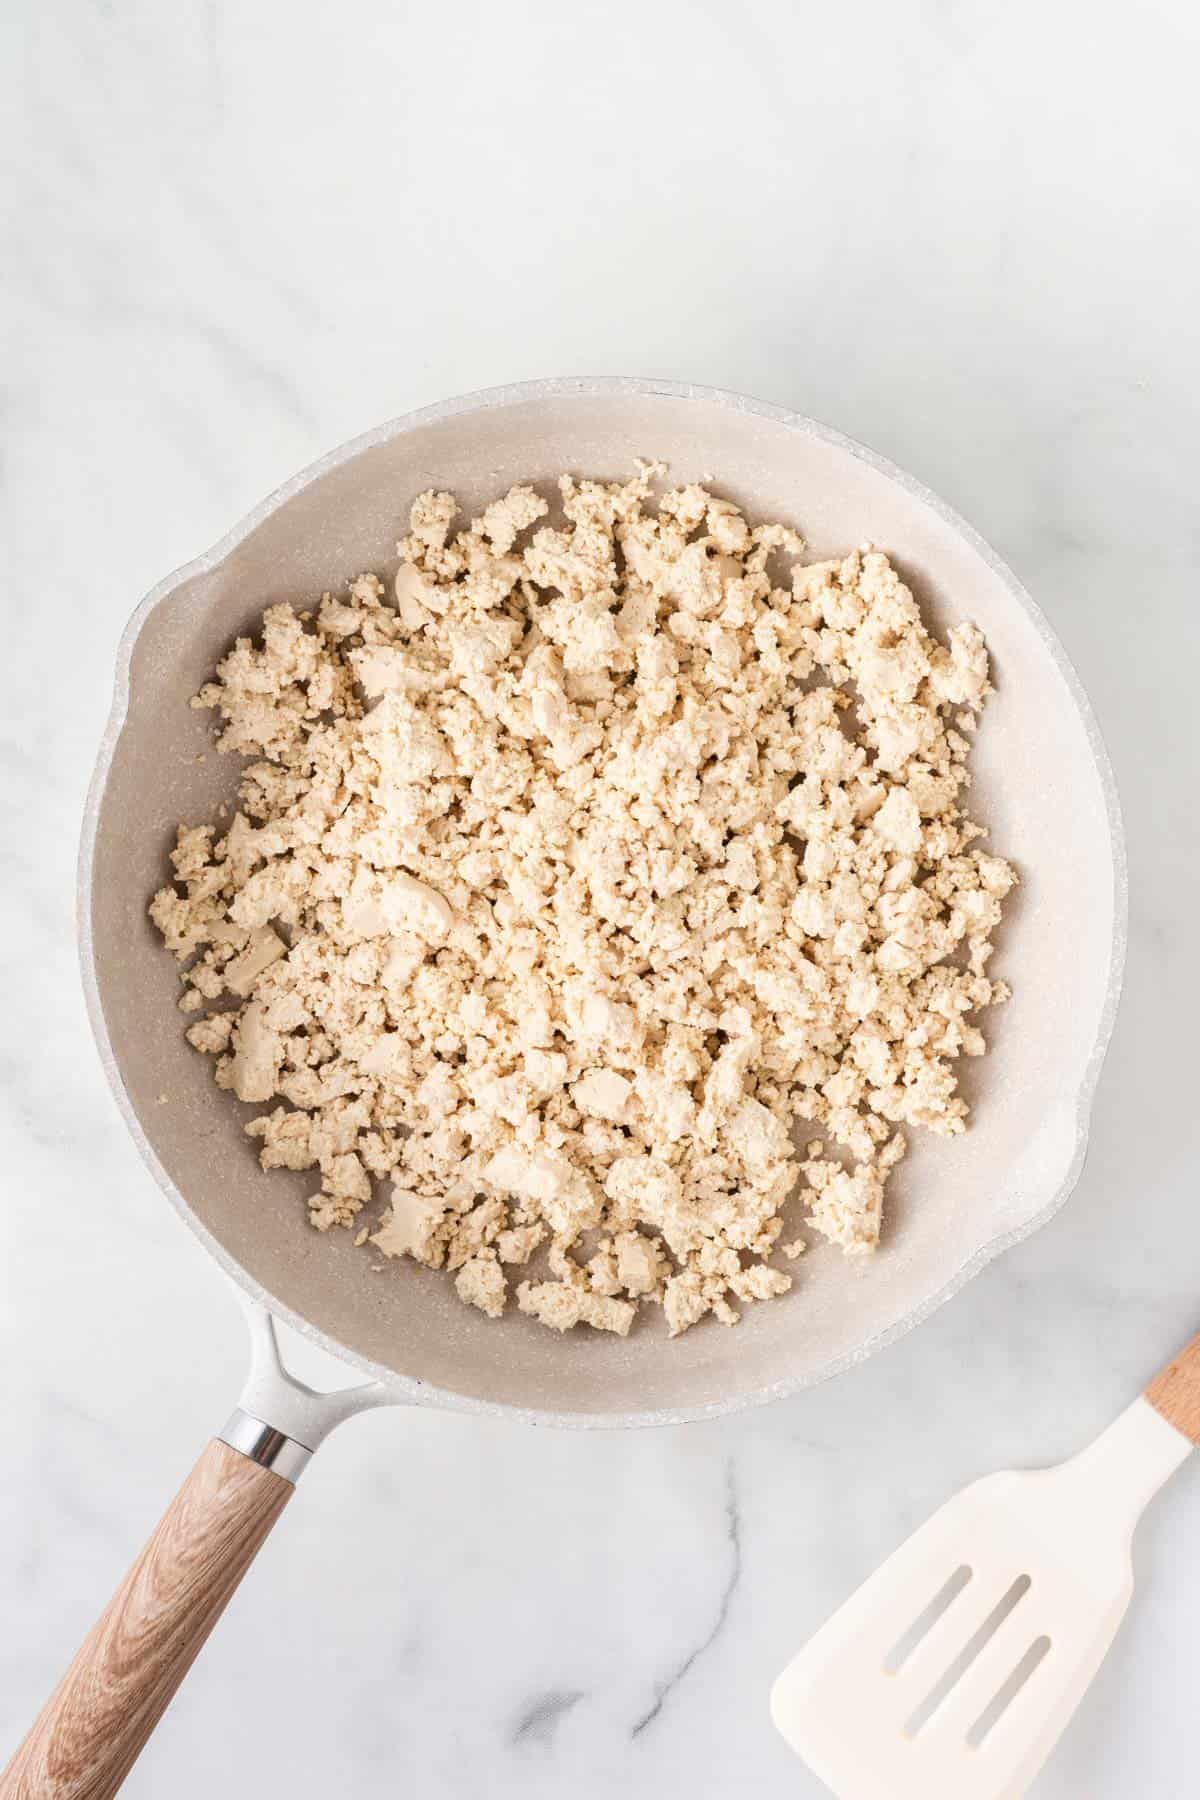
{"type": "Point", "coordinates": [952, 1672]}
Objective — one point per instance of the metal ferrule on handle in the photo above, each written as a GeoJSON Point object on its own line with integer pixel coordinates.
{"type": "Point", "coordinates": [266, 1445]}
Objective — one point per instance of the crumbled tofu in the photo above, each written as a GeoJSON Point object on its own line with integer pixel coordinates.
{"type": "Point", "coordinates": [604, 1094]}
{"type": "Point", "coordinates": [211, 1034]}
{"type": "Point", "coordinates": [411, 1227]}
{"type": "Point", "coordinates": [562, 1304]}
{"type": "Point", "coordinates": [480, 1282]}
{"type": "Point", "coordinates": [573, 875]}
{"type": "Point", "coordinates": [253, 1070]}
{"type": "Point", "coordinates": [640, 1263]}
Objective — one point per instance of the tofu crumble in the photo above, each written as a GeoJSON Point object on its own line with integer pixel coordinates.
{"type": "Point", "coordinates": [592, 890]}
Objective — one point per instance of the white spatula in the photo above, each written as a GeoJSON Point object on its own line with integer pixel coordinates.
{"type": "Point", "coordinates": [951, 1673]}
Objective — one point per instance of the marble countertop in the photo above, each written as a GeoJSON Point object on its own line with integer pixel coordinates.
{"type": "Point", "coordinates": [238, 234]}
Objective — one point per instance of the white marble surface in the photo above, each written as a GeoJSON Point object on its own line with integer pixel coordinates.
{"type": "Point", "coordinates": [234, 235]}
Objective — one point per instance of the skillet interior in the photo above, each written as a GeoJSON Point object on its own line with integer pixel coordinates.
{"type": "Point", "coordinates": [1042, 784]}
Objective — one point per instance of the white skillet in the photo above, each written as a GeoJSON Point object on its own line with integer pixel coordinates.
{"type": "Point", "coordinates": [1043, 783]}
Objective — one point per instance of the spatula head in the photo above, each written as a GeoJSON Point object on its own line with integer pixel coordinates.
{"type": "Point", "coordinates": [950, 1674]}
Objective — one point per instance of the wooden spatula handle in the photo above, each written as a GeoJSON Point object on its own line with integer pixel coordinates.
{"type": "Point", "coordinates": [90, 1731]}
{"type": "Point", "coordinates": [1175, 1391]}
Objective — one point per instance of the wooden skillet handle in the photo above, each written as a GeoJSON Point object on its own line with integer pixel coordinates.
{"type": "Point", "coordinates": [90, 1731]}
{"type": "Point", "coordinates": [1175, 1391]}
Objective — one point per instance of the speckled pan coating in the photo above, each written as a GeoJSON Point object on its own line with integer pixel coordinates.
{"type": "Point", "coordinates": [1043, 784]}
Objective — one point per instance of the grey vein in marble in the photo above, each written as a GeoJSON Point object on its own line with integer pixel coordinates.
{"type": "Point", "coordinates": [733, 1540]}
{"type": "Point", "coordinates": [538, 1722]}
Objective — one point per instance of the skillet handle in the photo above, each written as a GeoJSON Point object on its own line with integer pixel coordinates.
{"type": "Point", "coordinates": [91, 1730]}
